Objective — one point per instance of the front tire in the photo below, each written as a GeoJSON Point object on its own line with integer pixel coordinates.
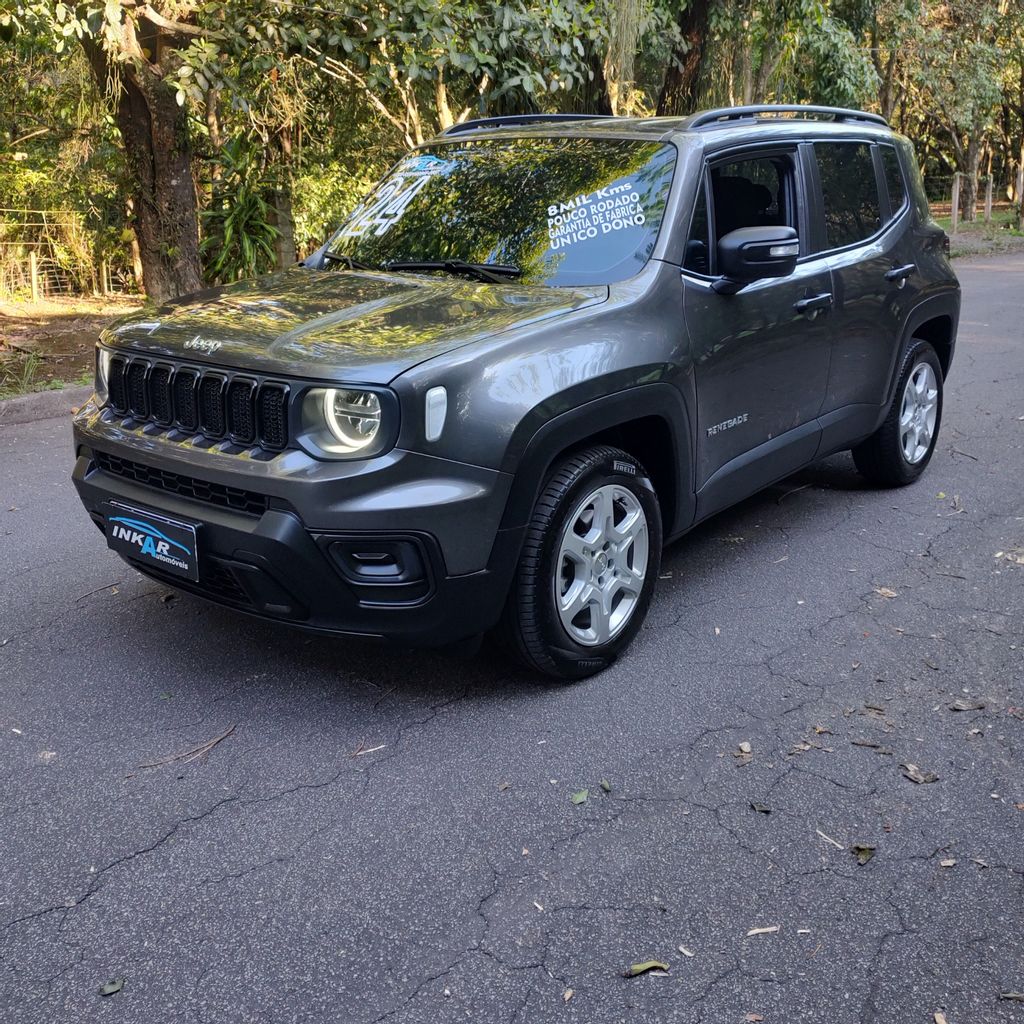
{"type": "Point", "coordinates": [898, 452]}
{"type": "Point", "coordinates": [588, 566]}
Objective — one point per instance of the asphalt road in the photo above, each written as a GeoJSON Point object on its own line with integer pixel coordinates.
{"type": "Point", "coordinates": [383, 836]}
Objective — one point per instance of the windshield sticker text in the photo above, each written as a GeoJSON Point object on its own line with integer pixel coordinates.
{"type": "Point", "coordinates": [592, 214]}
{"type": "Point", "coordinates": [392, 200]}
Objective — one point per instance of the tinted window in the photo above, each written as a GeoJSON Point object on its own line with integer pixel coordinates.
{"type": "Point", "coordinates": [849, 190]}
{"type": "Point", "coordinates": [698, 245]}
{"type": "Point", "coordinates": [565, 211]}
{"type": "Point", "coordinates": [752, 192]}
{"type": "Point", "coordinates": [893, 179]}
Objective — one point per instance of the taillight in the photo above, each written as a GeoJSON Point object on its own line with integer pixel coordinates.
{"type": "Point", "coordinates": [945, 244]}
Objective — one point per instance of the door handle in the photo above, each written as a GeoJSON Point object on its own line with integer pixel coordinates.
{"type": "Point", "coordinates": [813, 302]}
{"type": "Point", "coordinates": [900, 274]}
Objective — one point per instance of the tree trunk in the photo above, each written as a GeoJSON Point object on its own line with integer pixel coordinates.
{"type": "Point", "coordinates": [679, 91]}
{"type": "Point", "coordinates": [154, 130]}
{"type": "Point", "coordinates": [600, 101]}
{"type": "Point", "coordinates": [971, 177]}
{"type": "Point", "coordinates": [281, 211]}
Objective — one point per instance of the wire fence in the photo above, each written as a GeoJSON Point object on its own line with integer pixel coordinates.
{"type": "Point", "coordinates": [47, 253]}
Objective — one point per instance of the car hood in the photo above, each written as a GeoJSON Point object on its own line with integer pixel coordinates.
{"type": "Point", "coordinates": [339, 325]}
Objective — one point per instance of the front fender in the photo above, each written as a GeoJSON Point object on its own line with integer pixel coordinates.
{"type": "Point", "coordinates": [540, 440]}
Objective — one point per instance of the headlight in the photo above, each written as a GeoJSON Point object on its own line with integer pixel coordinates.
{"type": "Point", "coordinates": [102, 374]}
{"type": "Point", "coordinates": [349, 422]}
{"type": "Point", "coordinates": [353, 417]}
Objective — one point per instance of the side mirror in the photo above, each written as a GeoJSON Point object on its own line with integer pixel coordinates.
{"type": "Point", "coordinates": [748, 254]}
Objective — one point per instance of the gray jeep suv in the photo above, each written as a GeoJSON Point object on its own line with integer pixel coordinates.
{"type": "Point", "coordinates": [542, 347]}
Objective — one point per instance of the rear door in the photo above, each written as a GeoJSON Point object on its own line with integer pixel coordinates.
{"type": "Point", "coordinates": [760, 356]}
{"type": "Point", "coordinates": [865, 220]}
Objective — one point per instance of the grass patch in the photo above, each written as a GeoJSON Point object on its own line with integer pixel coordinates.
{"type": "Point", "coordinates": [25, 374]}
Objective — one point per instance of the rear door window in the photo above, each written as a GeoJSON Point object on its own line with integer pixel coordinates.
{"type": "Point", "coordinates": [849, 191]}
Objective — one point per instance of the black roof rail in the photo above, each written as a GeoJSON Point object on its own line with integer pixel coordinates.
{"type": "Point", "coordinates": [511, 120]}
{"type": "Point", "coordinates": [706, 118]}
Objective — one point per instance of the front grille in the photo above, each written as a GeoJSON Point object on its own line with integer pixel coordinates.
{"type": "Point", "coordinates": [241, 410]}
{"type": "Point", "coordinates": [186, 407]}
{"type": "Point", "coordinates": [135, 380]}
{"type": "Point", "coordinates": [212, 420]}
{"type": "Point", "coordinates": [219, 405]}
{"type": "Point", "coordinates": [273, 415]}
{"type": "Point", "coordinates": [173, 483]}
{"type": "Point", "coordinates": [160, 394]}
{"type": "Point", "coordinates": [216, 582]}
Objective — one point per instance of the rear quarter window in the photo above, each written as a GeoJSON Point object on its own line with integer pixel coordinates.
{"type": "Point", "coordinates": [894, 181]}
{"type": "Point", "coordinates": [849, 192]}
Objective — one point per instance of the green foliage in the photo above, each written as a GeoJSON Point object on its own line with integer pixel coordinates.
{"type": "Point", "coordinates": [238, 234]}
{"type": "Point", "coordinates": [323, 196]}
{"type": "Point", "coordinates": [320, 97]}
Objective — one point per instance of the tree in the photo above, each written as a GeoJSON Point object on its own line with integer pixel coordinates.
{"type": "Point", "coordinates": [959, 82]}
{"type": "Point", "coordinates": [679, 90]}
{"type": "Point", "coordinates": [421, 64]}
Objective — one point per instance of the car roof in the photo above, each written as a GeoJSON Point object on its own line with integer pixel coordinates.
{"type": "Point", "coordinates": [760, 123]}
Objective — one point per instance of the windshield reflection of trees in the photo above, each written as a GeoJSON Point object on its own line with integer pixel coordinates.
{"type": "Point", "coordinates": [487, 202]}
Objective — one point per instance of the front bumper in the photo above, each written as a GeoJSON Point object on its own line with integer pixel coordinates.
{"type": "Point", "coordinates": [404, 547]}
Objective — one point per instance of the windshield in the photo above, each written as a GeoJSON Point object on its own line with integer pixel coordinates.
{"type": "Point", "coordinates": [558, 211]}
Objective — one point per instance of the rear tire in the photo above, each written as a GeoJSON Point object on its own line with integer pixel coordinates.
{"type": "Point", "coordinates": [588, 566]}
{"type": "Point", "coordinates": [899, 451]}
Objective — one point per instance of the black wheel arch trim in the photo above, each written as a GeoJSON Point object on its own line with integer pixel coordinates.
{"type": "Point", "coordinates": [575, 426]}
{"type": "Point", "coordinates": [945, 304]}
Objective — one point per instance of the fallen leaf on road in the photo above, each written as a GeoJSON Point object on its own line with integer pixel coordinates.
{"type": "Point", "coordinates": [538, 906]}
{"type": "Point", "coordinates": [685, 951]}
{"type": "Point", "coordinates": [761, 808]}
{"type": "Point", "coordinates": [1019, 807]}
{"type": "Point", "coordinates": [949, 862]}
{"type": "Point", "coordinates": [753, 1018]}
{"type": "Point", "coordinates": [886, 592]}
{"type": "Point", "coordinates": [964, 704]}
{"type": "Point", "coordinates": [606, 785]}
{"type": "Point", "coordinates": [635, 970]}
{"type": "Point", "coordinates": [981, 864]}
{"type": "Point", "coordinates": [940, 1017]}
{"type": "Point", "coordinates": [567, 995]}
{"type": "Point", "coordinates": [1016, 997]}
{"type": "Point", "coordinates": [770, 930]}
{"type": "Point", "coordinates": [744, 747]}
{"type": "Point", "coordinates": [581, 796]}
{"type": "Point", "coordinates": [915, 774]}
{"type": "Point", "coordinates": [871, 745]}
{"type": "Point", "coordinates": [502, 786]}
{"type": "Point", "coordinates": [862, 852]}
{"type": "Point", "coordinates": [111, 987]}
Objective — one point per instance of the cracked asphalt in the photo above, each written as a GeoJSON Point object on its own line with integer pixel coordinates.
{"type": "Point", "coordinates": [383, 836]}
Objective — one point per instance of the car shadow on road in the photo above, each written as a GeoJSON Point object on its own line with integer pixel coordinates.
{"type": "Point", "coordinates": [281, 658]}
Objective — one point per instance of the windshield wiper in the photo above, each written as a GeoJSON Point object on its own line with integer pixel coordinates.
{"type": "Point", "coordinates": [338, 257]}
{"type": "Point", "coordinates": [495, 273]}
